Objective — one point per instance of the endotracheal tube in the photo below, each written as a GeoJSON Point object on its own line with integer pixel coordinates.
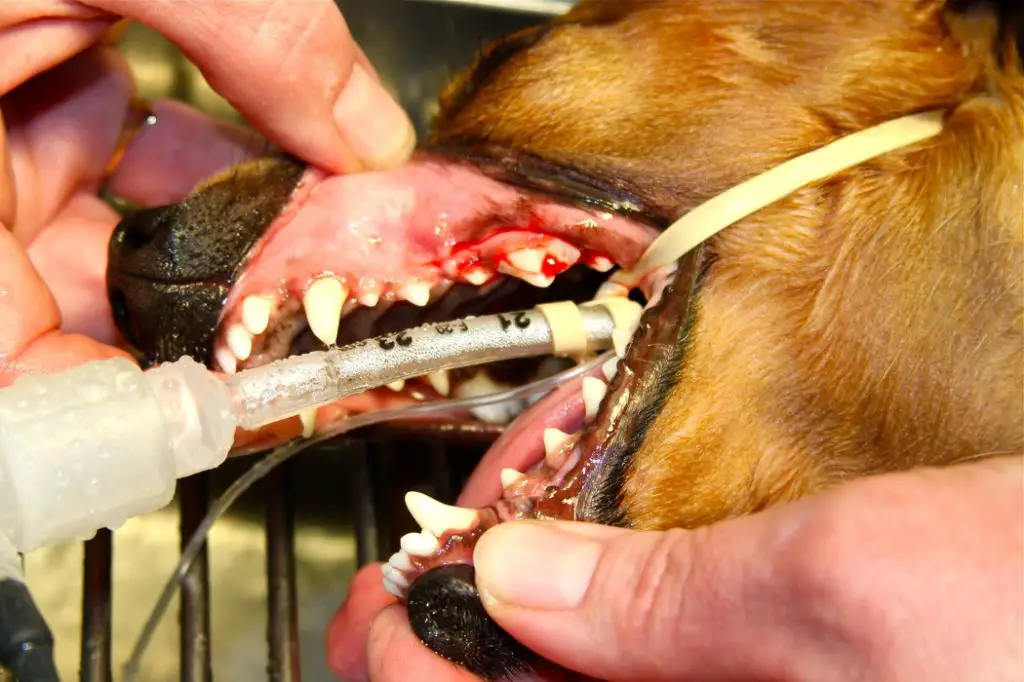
{"type": "Point", "coordinates": [100, 443]}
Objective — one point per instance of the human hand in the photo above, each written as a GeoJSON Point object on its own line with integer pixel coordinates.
{"type": "Point", "coordinates": [291, 69]}
{"type": "Point", "coordinates": [902, 576]}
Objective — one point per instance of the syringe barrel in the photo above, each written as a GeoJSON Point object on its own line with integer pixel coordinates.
{"type": "Point", "coordinates": [287, 387]}
{"type": "Point", "coordinates": [102, 442]}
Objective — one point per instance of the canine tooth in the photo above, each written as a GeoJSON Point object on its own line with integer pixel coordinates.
{"type": "Point", "coordinates": [392, 589]}
{"type": "Point", "coordinates": [239, 341]}
{"type": "Point", "coordinates": [322, 302]}
{"type": "Point", "coordinates": [528, 260]}
{"type": "Point", "coordinates": [397, 385]}
{"type": "Point", "coordinates": [593, 393]}
{"type": "Point", "coordinates": [601, 263]}
{"type": "Point", "coordinates": [554, 440]}
{"type": "Point", "coordinates": [308, 419]}
{"type": "Point", "coordinates": [416, 293]}
{"type": "Point", "coordinates": [611, 289]}
{"type": "Point", "coordinates": [400, 561]}
{"type": "Point", "coordinates": [226, 359]}
{"type": "Point", "coordinates": [620, 339]}
{"type": "Point", "coordinates": [256, 313]}
{"type": "Point", "coordinates": [437, 517]}
{"type": "Point", "coordinates": [440, 381]}
{"type": "Point", "coordinates": [610, 368]}
{"type": "Point", "coordinates": [394, 576]}
{"type": "Point", "coordinates": [419, 544]}
{"type": "Point", "coordinates": [509, 477]}
{"type": "Point", "coordinates": [477, 276]}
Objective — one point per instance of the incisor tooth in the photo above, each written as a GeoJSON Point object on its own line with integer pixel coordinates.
{"type": "Point", "coordinates": [477, 276]}
{"type": "Point", "coordinates": [554, 440]}
{"type": "Point", "coordinates": [397, 385]}
{"type": "Point", "coordinates": [440, 381]}
{"type": "Point", "coordinates": [226, 359]}
{"type": "Point", "coordinates": [323, 302]}
{"type": "Point", "coordinates": [392, 589]}
{"type": "Point", "coordinates": [418, 544]}
{"type": "Point", "coordinates": [308, 419]}
{"type": "Point", "coordinates": [620, 339]}
{"type": "Point", "coordinates": [527, 260]}
{"type": "Point", "coordinates": [369, 299]}
{"type": "Point", "coordinates": [239, 341]}
{"type": "Point", "coordinates": [610, 368]}
{"type": "Point", "coordinates": [509, 477]}
{"type": "Point", "coordinates": [256, 313]}
{"type": "Point", "coordinates": [400, 560]}
{"type": "Point", "coordinates": [602, 264]}
{"type": "Point", "coordinates": [437, 517]}
{"type": "Point", "coordinates": [416, 293]}
{"type": "Point", "coordinates": [593, 393]}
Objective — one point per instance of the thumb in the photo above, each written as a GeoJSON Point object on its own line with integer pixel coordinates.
{"type": "Point", "coordinates": [618, 604]}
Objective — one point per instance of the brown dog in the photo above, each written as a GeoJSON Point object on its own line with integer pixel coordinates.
{"type": "Point", "coordinates": [868, 322]}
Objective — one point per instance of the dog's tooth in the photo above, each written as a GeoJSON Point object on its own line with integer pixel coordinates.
{"type": "Point", "coordinates": [397, 385]}
{"type": "Point", "coordinates": [601, 263]}
{"type": "Point", "coordinates": [416, 293]}
{"type": "Point", "coordinates": [497, 413]}
{"type": "Point", "coordinates": [226, 360]}
{"type": "Point", "coordinates": [308, 419]}
{"type": "Point", "coordinates": [440, 381]}
{"type": "Point", "coordinates": [593, 393]}
{"type": "Point", "coordinates": [423, 543]}
{"type": "Point", "coordinates": [256, 313]}
{"type": "Point", "coordinates": [369, 298]}
{"type": "Point", "coordinates": [323, 302]}
{"type": "Point", "coordinates": [395, 576]}
{"type": "Point", "coordinates": [611, 289]}
{"type": "Point", "coordinates": [620, 339]}
{"type": "Point", "coordinates": [554, 440]}
{"type": "Point", "coordinates": [478, 276]}
{"type": "Point", "coordinates": [610, 368]}
{"type": "Point", "coordinates": [528, 260]}
{"type": "Point", "coordinates": [392, 589]}
{"type": "Point", "coordinates": [400, 561]}
{"type": "Point", "coordinates": [437, 517]}
{"type": "Point", "coordinates": [539, 281]}
{"type": "Point", "coordinates": [509, 477]}
{"type": "Point", "coordinates": [239, 340]}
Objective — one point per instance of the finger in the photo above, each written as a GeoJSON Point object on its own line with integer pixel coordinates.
{"type": "Point", "coordinates": [315, 97]}
{"type": "Point", "coordinates": [623, 605]}
{"type": "Point", "coordinates": [35, 46]}
{"type": "Point", "coordinates": [396, 654]}
{"type": "Point", "coordinates": [346, 638]}
{"type": "Point", "coordinates": [62, 128]}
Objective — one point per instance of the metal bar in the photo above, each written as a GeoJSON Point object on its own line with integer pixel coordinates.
{"type": "Point", "coordinates": [282, 611]}
{"type": "Point", "coordinates": [194, 612]}
{"type": "Point", "coordinates": [367, 525]}
{"type": "Point", "coordinates": [96, 608]}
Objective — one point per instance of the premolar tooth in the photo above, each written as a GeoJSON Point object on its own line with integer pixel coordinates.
{"type": "Point", "coordinates": [239, 341]}
{"type": "Point", "coordinates": [437, 517]}
{"type": "Point", "coordinates": [400, 561]}
{"type": "Point", "coordinates": [323, 302]}
{"type": "Point", "coordinates": [554, 440]}
{"type": "Point", "coordinates": [440, 381]}
{"type": "Point", "coordinates": [509, 477]}
{"type": "Point", "coordinates": [308, 419]}
{"type": "Point", "coordinates": [602, 263]}
{"type": "Point", "coordinates": [423, 543]}
{"type": "Point", "coordinates": [528, 260]}
{"type": "Point", "coordinates": [477, 276]}
{"type": "Point", "coordinates": [256, 313]}
{"type": "Point", "coordinates": [416, 293]}
{"type": "Point", "coordinates": [610, 368]}
{"type": "Point", "coordinates": [620, 339]}
{"type": "Point", "coordinates": [226, 359]}
{"type": "Point", "coordinates": [397, 385]}
{"type": "Point", "coordinates": [611, 289]}
{"type": "Point", "coordinates": [593, 393]}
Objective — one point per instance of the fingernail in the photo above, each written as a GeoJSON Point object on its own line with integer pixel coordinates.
{"type": "Point", "coordinates": [534, 565]}
{"type": "Point", "coordinates": [372, 122]}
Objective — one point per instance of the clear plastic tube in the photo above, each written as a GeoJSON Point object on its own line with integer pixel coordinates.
{"type": "Point", "coordinates": [279, 455]}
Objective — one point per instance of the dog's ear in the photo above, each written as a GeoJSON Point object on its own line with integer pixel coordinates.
{"type": "Point", "coordinates": [1009, 19]}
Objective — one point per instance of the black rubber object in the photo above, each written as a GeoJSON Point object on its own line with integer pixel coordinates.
{"type": "Point", "coordinates": [26, 643]}
{"type": "Point", "coordinates": [446, 614]}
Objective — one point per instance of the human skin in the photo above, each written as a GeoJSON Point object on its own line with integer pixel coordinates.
{"type": "Point", "coordinates": [65, 97]}
{"type": "Point", "coordinates": [915, 575]}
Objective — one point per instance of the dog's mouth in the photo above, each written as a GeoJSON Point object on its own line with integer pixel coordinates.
{"type": "Point", "coordinates": [276, 259]}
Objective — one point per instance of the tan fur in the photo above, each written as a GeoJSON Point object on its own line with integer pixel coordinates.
{"type": "Point", "coordinates": [868, 323]}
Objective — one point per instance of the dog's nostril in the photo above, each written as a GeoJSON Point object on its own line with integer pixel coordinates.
{"type": "Point", "coordinates": [139, 229]}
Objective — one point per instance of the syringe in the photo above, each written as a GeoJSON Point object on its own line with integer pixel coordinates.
{"type": "Point", "coordinates": [105, 441]}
